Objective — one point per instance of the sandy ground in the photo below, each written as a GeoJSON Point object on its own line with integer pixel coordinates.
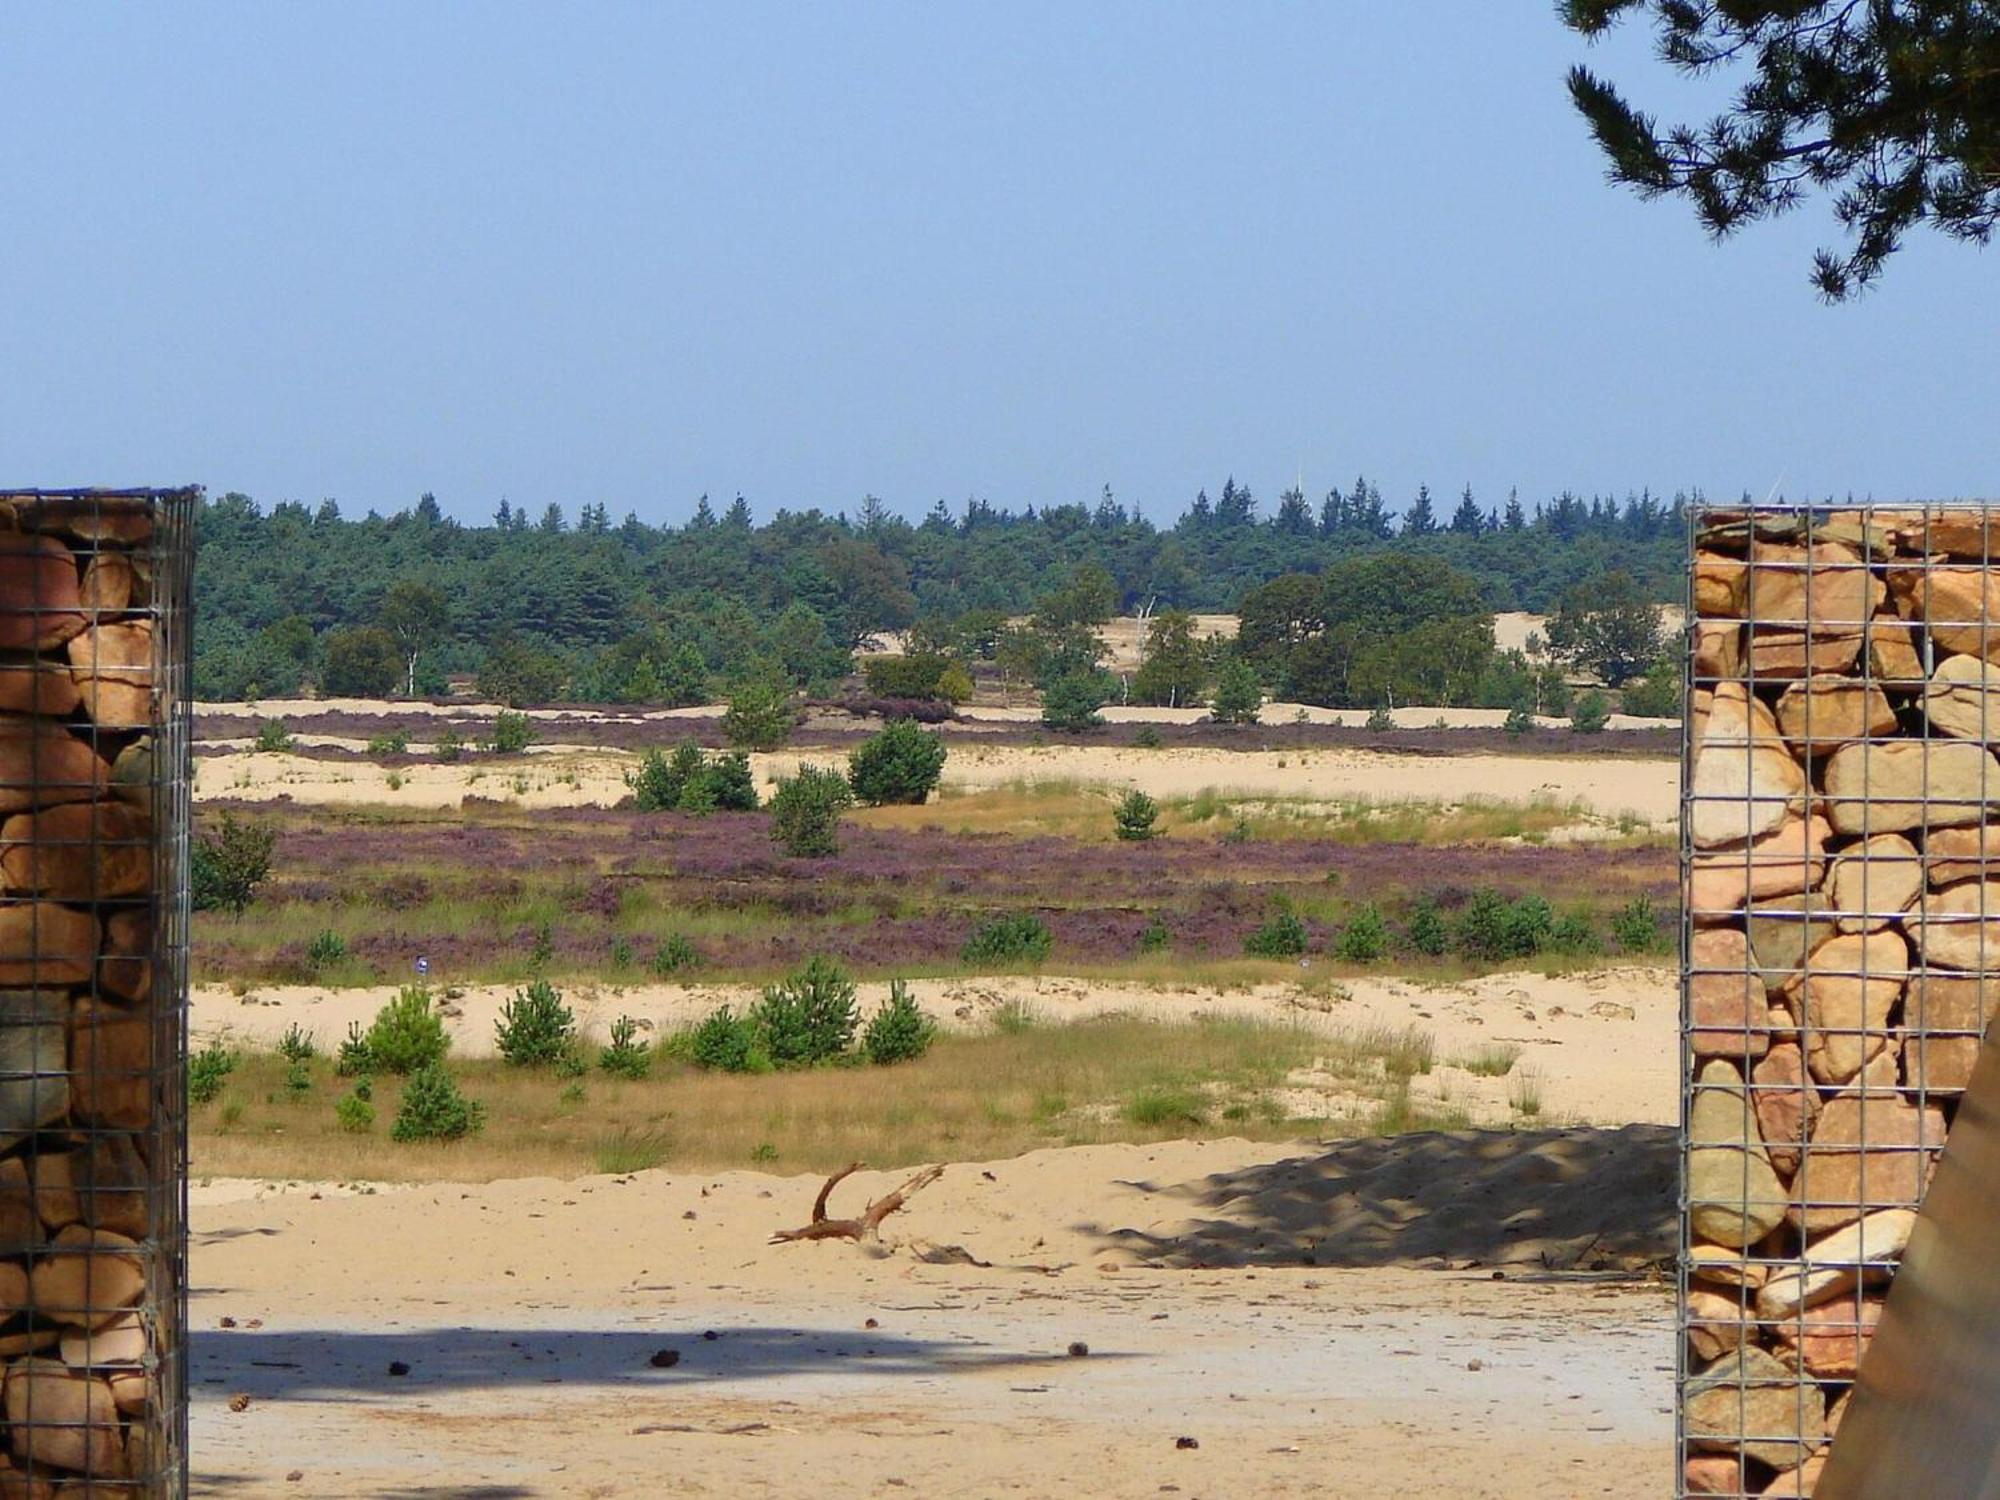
{"type": "Point", "coordinates": [528, 1315]}
{"type": "Point", "coordinates": [1593, 1043]}
{"type": "Point", "coordinates": [575, 777]}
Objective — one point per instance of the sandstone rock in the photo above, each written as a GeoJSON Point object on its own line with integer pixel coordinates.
{"type": "Point", "coordinates": [39, 604]}
{"type": "Point", "coordinates": [86, 1277]}
{"type": "Point", "coordinates": [1895, 653]}
{"type": "Point", "coordinates": [1745, 781]}
{"type": "Point", "coordinates": [1959, 926]}
{"type": "Point", "coordinates": [1725, 996]}
{"type": "Point", "coordinates": [1959, 605]}
{"type": "Point", "coordinates": [108, 581]}
{"type": "Point", "coordinates": [60, 1418]}
{"type": "Point", "coordinates": [1826, 584]}
{"type": "Point", "coordinates": [1831, 1336]}
{"type": "Point", "coordinates": [1958, 533]}
{"type": "Point", "coordinates": [1718, 650]}
{"type": "Point", "coordinates": [20, 1227]}
{"type": "Point", "coordinates": [126, 970]}
{"type": "Point", "coordinates": [1796, 1484]}
{"type": "Point", "coordinates": [1786, 1105]}
{"type": "Point", "coordinates": [1780, 655]}
{"type": "Point", "coordinates": [42, 763]}
{"type": "Point", "coordinates": [1719, 1265]}
{"type": "Point", "coordinates": [1783, 930]}
{"type": "Point", "coordinates": [1788, 859]}
{"type": "Point", "coordinates": [1735, 1196]}
{"type": "Point", "coordinates": [1822, 712]}
{"type": "Point", "coordinates": [88, 517]}
{"type": "Point", "coordinates": [1711, 1474]}
{"type": "Point", "coordinates": [113, 667]}
{"type": "Point", "coordinates": [132, 773]}
{"type": "Point", "coordinates": [79, 851]}
{"type": "Point", "coordinates": [1715, 1323]}
{"type": "Point", "coordinates": [1954, 854]}
{"type": "Point", "coordinates": [122, 1341]}
{"type": "Point", "coordinates": [1719, 586]}
{"type": "Point", "coordinates": [36, 687]}
{"type": "Point", "coordinates": [1946, 1016]}
{"type": "Point", "coordinates": [1963, 698]}
{"type": "Point", "coordinates": [100, 1183]}
{"type": "Point", "coordinates": [110, 1057]}
{"type": "Point", "coordinates": [1863, 1251]}
{"type": "Point", "coordinates": [1750, 1392]}
{"type": "Point", "coordinates": [34, 1086]}
{"type": "Point", "coordinates": [18, 1484]}
{"type": "Point", "coordinates": [1873, 882]}
{"type": "Point", "coordinates": [42, 943]}
{"type": "Point", "coordinates": [1845, 1005]}
{"type": "Point", "coordinates": [1904, 784]}
{"type": "Point", "coordinates": [1868, 1151]}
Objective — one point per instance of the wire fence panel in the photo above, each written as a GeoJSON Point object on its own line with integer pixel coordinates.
{"type": "Point", "coordinates": [94, 785]}
{"type": "Point", "coordinates": [1841, 891]}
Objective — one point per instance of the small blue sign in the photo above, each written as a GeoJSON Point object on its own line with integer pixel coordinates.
{"type": "Point", "coordinates": [423, 967]}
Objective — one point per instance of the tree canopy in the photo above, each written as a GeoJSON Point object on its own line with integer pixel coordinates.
{"type": "Point", "coordinates": [1890, 106]}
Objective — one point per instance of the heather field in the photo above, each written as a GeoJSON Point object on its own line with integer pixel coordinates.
{"type": "Point", "coordinates": [492, 892]}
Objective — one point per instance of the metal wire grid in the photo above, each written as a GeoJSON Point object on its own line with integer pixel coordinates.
{"type": "Point", "coordinates": [1834, 940]}
{"type": "Point", "coordinates": [94, 778]}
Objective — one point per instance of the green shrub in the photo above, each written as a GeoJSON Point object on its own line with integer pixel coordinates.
{"type": "Point", "coordinates": [954, 685]}
{"type": "Point", "coordinates": [433, 1109]}
{"type": "Point", "coordinates": [1428, 933]}
{"type": "Point", "coordinates": [1283, 936]}
{"type": "Point", "coordinates": [1636, 926]}
{"type": "Point", "coordinates": [354, 1113]}
{"type": "Point", "coordinates": [1657, 695]}
{"type": "Point", "coordinates": [621, 953]}
{"type": "Point", "coordinates": [297, 1045]}
{"type": "Point", "coordinates": [512, 733]}
{"type": "Point", "coordinates": [1148, 738]}
{"type": "Point", "coordinates": [298, 1079]}
{"type": "Point", "coordinates": [1134, 817]}
{"type": "Point", "coordinates": [918, 675]}
{"type": "Point", "coordinates": [660, 779]}
{"type": "Point", "coordinates": [1493, 929]}
{"type": "Point", "coordinates": [1155, 937]}
{"type": "Point", "coordinates": [1019, 937]}
{"type": "Point", "coordinates": [1164, 1105]}
{"type": "Point", "coordinates": [1518, 722]}
{"type": "Point", "coordinates": [1364, 939]}
{"type": "Point", "coordinates": [535, 1028]}
{"type": "Point", "coordinates": [808, 1016]}
{"type": "Point", "coordinates": [805, 812]}
{"type": "Point", "coordinates": [689, 781]}
{"type": "Point", "coordinates": [395, 742]}
{"type": "Point", "coordinates": [226, 867]}
{"type": "Point", "coordinates": [1238, 693]}
{"type": "Point", "coordinates": [326, 949]}
{"type": "Point", "coordinates": [1379, 720]}
{"type": "Point", "coordinates": [207, 1071]}
{"type": "Point", "coordinates": [1070, 702]}
{"type": "Point", "coordinates": [1590, 713]}
{"type": "Point", "coordinates": [543, 947]}
{"type": "Point", "coordinates": [760, 715]}
{"type": "Point", "coordinates": [450, 745]}
{"type": "Point", "coordinates": [898, 1031]}
{"type": "Point", "coordinates": [674, 955]}
{"type": "Point", "coordinates": [725, 783]}
{"type": "Point", "coordinates": [626, 1057]}
{"type": "Point", "coordinates": [407, 1034]}
{"type": "Point", "coordinates": [1571, 933]}
{"type": "Point", "coordinates": [353, 1058]}
{"type": "Point", "coordinates": [274, 736]}
{"type": "Point", "coordinates": [901, 765]}
{"type": "Point", "coordinates": [724, 1043]}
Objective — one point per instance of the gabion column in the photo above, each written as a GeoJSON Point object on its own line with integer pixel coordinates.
{"type": "Point", "coordinates": [94, 785]}
{"type": "Point", "coordinates": [1841, 947]}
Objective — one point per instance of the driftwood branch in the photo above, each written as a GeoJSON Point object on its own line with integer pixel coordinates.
{"type": "Point", "coordinates": [868, 1225]}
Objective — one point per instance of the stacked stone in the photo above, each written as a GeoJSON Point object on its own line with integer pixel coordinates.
{"type": "Point", "coordinates": [89, 1058]}
{"type": "Point", "coordinates": [1842, 844]}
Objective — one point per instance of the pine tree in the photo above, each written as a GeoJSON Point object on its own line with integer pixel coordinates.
{"type": "Point", "coordinates": [1467, 519]}
{"type": "Point", "coordinates": [704, 516]}
{"type": "Point", "coordinates": [1419, 520]}
{"type": "Point", "coordinates": [1515, 520]}
{"type": "Point", "coordinates": [1294, 519]}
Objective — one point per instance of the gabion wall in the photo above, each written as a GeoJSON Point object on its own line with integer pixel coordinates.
{"type": "Point", "coordinates": [1842, 898]}
{"type": "Point", "coordinates": [94, 767]}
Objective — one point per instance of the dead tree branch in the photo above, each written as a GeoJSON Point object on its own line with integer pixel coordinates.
{"type": "Point", "coordinates": [868, 1226]}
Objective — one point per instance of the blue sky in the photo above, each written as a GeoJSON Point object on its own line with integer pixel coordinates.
{"type": "Point", "coordinates": [632, 253]}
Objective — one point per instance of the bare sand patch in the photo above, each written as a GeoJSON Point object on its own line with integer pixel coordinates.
{"type": "Point", "coordinates": [525, 1346]}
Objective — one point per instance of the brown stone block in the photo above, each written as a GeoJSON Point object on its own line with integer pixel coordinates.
{"type": "Point", "coordinates": [1895, 657]}
{"type": "Point", "coordinates": [1954, 854]}
{"type": "Point", "coordinates": [1749, 1391]}
{"type": "Point", "coordinates": [1935, 1006]}
{"type": "Point", "coordinates": [100, 1184]}
{"type": "Point", "coordinates": [1958, 927]}
{"type": "Point", "coordinates": [1786, 861]}
{"type": "Point", "coordinates": [42, 943]}
{"type": "Point", "coordinates": [88, 517]}
{"type": "Point", "coordinates": [37, 687]}
{"type": "Point", "coordinates": [34, 1083]}
{"type": "Point", "coordinates": [1786, 1104]}
{"type": "Point", "coordinates": [1719, 586]}
{"type": "Point", "coordinates": [1831, 1336]}
{"type": "Point", "coordinates": [20, 1226]}
{"type": "Point", "coordinates": [113, 666]}
{"type": "Point", "coordinates": [1868, 1151]}
{"type": "Point", "coordinates": [79, 851]}
{"type": "Point", "coordinates": [1796, 1484]}
{"type": "Point", "coordinates": [1715, 1323]}
{"type": "Point", "coordinates": [1718, 650]}
{"type": "Point", "coordinates": [1956, 533]}
{"type": "Point", "coordinates": [108, 582]}
{"type": "Point", "coordinates": [1958, 604]}
{"type": "Point", "coordinates": [42, 763]}
{"type": "Point", "coordinates": [1820, 713]}
{"type": "Point", "coordinates": [126, 970]}
{"type": "Point", "coordinates": [1905, 784]}
{"type": "Point", "coordinates": [1745, 781]}
{"type": "Point", "coordinates": [39, 603]}
{"type": "Point", "coordinates": [60, 1418]}
{"type": "Point", "coordinates": [1734, 1195]}
{"type": "Point", "coordinates": [1852, 982]}
{"type": "Point", "coordinates": [1874, 882]}
{"type": "Point", "coordinates": [1783, 931]}
{"type": "Point", "coordinates": [86, 1277]}
{"type": "Point", "coordinates": [1712, 1474]}
{"type": "Point", "coordinates": [1827, 584]}
{"type": "Point", "coordinates": [110, 1059]}
{"type": "Point", "coordinates": [1962, 698]}
{"type": "Point", "coordinates": [1725, 996]}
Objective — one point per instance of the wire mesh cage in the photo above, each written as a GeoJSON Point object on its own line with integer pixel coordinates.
{"type": "Point", "coordinates": [94, 787]}
{"type": "Point", "coordinates": [1840, 872]}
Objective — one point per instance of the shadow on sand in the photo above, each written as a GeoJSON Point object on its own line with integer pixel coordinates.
{"type": "Point", "coordinates": [1569, 1199]}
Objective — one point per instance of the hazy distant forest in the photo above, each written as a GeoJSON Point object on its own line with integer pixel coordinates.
{"type": "Point", "coordinates": [580, 607]}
